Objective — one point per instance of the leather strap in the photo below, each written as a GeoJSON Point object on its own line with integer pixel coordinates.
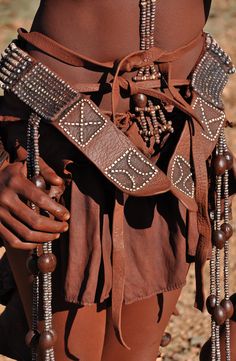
{"type": "Point", "coordinates": [118, 265]}
{"type": "Point", "coordinates": [58, 51]}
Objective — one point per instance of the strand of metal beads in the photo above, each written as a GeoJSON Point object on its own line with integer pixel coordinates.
{"type": "Point", "coordinates": [227, 229]}
{"type": "Point", "coordinates": [41, 265]}
{"type": "Point", "coordinates": [218, 313]}
{"type": "Point", "coordinates": [147, 27]}
{"type": "Point", "coordinates": [154, 73]}
{"type": "Point", "coordinates": [143, 35]}
{"type": "Point", "coordinates": [221, 311]}
{"type": "Point", "coordinates": [140, 101]}
{"type": "Point", "coordinates": [32, 336]}
{"type": "Point", "coordinates": [152, 110]}
{"type": "Point", "coordinates": [166, 126]}
{"type": "Point", "coordinates": [147, 38]}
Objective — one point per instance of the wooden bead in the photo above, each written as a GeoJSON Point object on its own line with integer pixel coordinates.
{"type": "Point", "coordinates": [46, 340]}
{"type": "Point", "coordinates": [219, 164]}
{"type": "Point", "coordinates": [47, 262]}
{"type": "Point", "coordinates": [229, 160]}
{"type": "Point", "coordinates": [218, 238]}
{"type": "Point", "coordinates": [39, 182]}
{"type": "Point", "coordinates": [228, 307]}
{"type": "Point", "coordinates": [233, 300]}
{"type": "Point", "coordinates": [211, 303]}
{"type": "Point", "coordinates": [32, 338]}
{"type": "Point", "coordinates": [32, 264]}
{"type": "Point", "coordinates": [227, 229]}
{"type": "Point", "coordinates": [219, 315]}
{"type": "Point", "coordinates": [165, 340]}
{"type": "Point", "coordinates": [140, 100]}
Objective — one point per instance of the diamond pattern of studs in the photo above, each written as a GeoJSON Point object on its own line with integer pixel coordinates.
{"type": "Point", "coordinates": [89, 122]}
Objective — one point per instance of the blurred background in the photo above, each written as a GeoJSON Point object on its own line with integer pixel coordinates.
{"type": "Point", "coordinates": [191, 328]}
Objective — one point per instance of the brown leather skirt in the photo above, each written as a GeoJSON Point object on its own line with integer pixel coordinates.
{"type": "Point", "coordinates": [158, 248]}
{"type": "Point", "coordinates": [155, 238]}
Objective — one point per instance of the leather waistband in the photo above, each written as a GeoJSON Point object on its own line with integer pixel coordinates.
{"type": "Point", "coordinates": [135, 60]}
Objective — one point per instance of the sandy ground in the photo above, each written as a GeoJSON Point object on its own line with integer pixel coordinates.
{"type": "Point", "coordinates": [191, 328]}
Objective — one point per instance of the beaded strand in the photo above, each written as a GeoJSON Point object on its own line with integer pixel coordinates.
{"type": "Point", "coordinates": [221, 310]}
{"type": "Point", "coordinates": [40, 266]}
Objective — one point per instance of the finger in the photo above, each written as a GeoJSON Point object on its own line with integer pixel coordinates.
{"type": "Point", "coordinates": [34, 220]}
{"type": "Point", "coordinates": [49, 174]}
{"type": "Point", "coordinates": [13, 241]}
{"type": "Point", "coordinates": [31, 193]}
{"type": "Point", "coordinates": [23, 232]}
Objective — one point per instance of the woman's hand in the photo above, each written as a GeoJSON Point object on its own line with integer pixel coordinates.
{"type": "Point", "coordinates": [20, 226]}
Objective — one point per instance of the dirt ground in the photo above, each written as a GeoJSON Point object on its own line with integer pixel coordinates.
{"type": "Point", "coordinates": [191, 328]}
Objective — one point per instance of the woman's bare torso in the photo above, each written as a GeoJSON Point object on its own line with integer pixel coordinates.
{"type": "Point", "coordinates": [108, 30]}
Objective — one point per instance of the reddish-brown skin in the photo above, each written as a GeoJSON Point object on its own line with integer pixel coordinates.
{"type": "Point", "coordinates": [104, 30]}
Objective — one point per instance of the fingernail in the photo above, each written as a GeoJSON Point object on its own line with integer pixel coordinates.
{"type": "Point", "coordinates": [58, 235]}
{"type": "Point", "coordinates": [66, 216]}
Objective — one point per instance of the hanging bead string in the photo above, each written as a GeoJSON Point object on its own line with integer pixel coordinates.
{"type": "Point", "coordinates": [33, 170]}
{"type": "Point", "coordinates": [227, 228]}
{"type": "Point", "coordinates": [147, 27]}
{"type": "Point", "coordinates": [40, 266]}
{"type": "Point", "coordinates": [218, 312]}
{"type": "Point", "coordinates": [152, 119]}
{"type": "Point", "coordinates": [221, 311]}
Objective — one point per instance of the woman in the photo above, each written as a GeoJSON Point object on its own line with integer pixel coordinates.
{"type": "Point", "coordinates": [156, 255]}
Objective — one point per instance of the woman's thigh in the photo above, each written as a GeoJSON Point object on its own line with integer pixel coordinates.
{"type": "Point", "coordinates": [143, 324]}
{"type": "Point", "coordinates": [80, 330]}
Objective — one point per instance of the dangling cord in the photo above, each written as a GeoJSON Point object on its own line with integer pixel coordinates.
{"type": "Point", "coordinates": [41, 265]}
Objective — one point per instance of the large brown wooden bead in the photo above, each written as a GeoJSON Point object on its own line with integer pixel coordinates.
{"type": "Point", "coordinates": [165, 340]}
{"type": "Point", "coordinates": [219, 315]}
{"type": "Point", "coordinates": [227, 229]}
{"type": "Point", "coordinates": [39, 181]}
{"type": "Point", "coordinates": [47, 262]}
{"type": "Point", "coordinates": [32, 264]}
{"type": "Point", "coordinates": [229, 159]}
{"type": "Point", "coordinates": [233, 300]}
{"type": "Point", "coordinates": [211, 303]}
{"type": "Point", "coordinates": [32, 338]}
{"type": "Point", "coordinates": [54, 335]}
{"type": "Point", "coordinates": [140, 100]}
{"type": "Point", "coordinates": [228, 307]}
{"type": "Point", "coordinates": [219, 164]}
{"type": "Point", "coordinates": [218, 238]}
{"type": "Point", "coordinates": [46, 340]}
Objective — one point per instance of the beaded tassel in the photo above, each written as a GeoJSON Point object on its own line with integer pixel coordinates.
{"type": "Point", "coordinates": [40, 266]}
{"type": "Point", "coordinates": [145, 108]}
{"type": "Point", "coordinates": [221, 310]}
